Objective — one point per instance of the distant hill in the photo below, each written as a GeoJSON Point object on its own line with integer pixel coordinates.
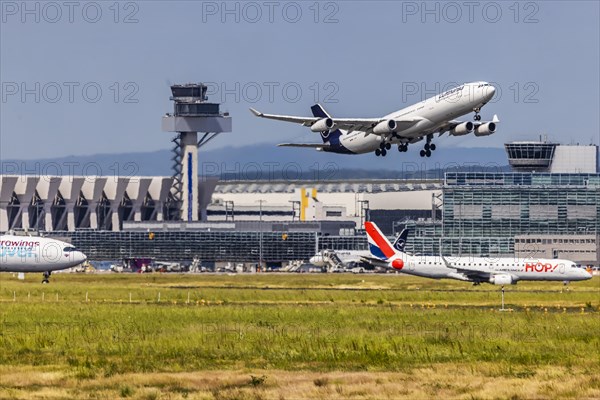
{"type": "Point", "coordinates": [266, 161]}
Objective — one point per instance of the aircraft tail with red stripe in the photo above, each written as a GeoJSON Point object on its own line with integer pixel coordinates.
{"type": "Point", "coordinates": [379, 245]}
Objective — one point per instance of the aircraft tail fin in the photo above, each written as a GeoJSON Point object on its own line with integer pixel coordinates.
{"type": "Point", "coordinates": [400, 241]}
{"type": "Point", "coordinates": [379, 245]}
{"type": "Point", "coordinates": [332, 136]}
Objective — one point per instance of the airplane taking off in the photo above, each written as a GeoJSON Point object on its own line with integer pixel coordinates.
{"type": "Point", "coordinates": [403, 127]}
{"type": "Point", "coordinates": [500, 271]}
{"type": "Point", "coordinates": [37, 254]}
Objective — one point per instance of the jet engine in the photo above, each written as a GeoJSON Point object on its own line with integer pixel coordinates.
{"type": "Point", "coordinates": [485, 129]}
{"type": "Point", "coordinates": [325, 124]}
{"type": "Point", "coordinates": [398, 264]}
{"type": "Point", "coordinates": [384, 127]}
{"type": "Point", "coordinates": [462, 129]}
{"type": "Point", "coordinates": [502, 279]}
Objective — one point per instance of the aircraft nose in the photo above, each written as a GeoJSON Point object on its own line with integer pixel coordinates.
{"type": "Point", "coordinates": [489, 92]}
{"type": "Point", "coordinates": [81, 257]}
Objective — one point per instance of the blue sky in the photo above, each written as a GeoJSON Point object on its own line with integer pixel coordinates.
{"type": "Point", "coordinates": [93, 77]}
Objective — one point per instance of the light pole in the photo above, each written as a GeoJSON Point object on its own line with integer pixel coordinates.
{"type": "Point", "coordinates": [260, 244]}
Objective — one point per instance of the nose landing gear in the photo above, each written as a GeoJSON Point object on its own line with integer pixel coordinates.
{"type": "Point", "coordinates": [477, 117]}
{"type": "Point", "coordinates": [46, 277]}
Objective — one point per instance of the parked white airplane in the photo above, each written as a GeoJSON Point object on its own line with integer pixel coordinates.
{"type": "Point", "coordinates": [403, 127]}
{"type": "Point", "coordinates": [501, 271]}
{"type": "Point", "coordinates": [351, 258]}
{"type": "Point", "coordinates": [37, 254]}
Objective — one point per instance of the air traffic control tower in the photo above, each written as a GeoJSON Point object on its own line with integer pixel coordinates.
{"type": "Point", "coordinates": [195, 122]}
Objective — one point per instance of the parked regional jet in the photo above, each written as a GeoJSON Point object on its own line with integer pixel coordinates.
{"type": "Point", "coordinates": [500, 271]}
{"type": "Point", "coordinates": [37, 254]}
{"type": "Point", "coordinates": [403, 127]}
{"type": "Point", "coordinates": [350, 258]}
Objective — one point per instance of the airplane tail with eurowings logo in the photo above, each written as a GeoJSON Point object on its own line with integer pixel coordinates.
{"type": "Point", "coordinates": [330, 136]}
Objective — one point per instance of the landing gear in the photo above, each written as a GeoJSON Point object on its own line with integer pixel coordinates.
{"type": "Point", "coordinates": [428, 148]}
{"type": "Point", "coordinates": [403, 147]}
{"type": "Point", "coordinates": [46, 277]}
{"type": "Point", "coordinates": [383, 148]}
{"type": "Point", "coordinates": [477, 117]}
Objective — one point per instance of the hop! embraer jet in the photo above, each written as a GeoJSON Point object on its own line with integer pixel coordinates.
{"type": "Point", "coordinates": [500, 271]}
{"type": "Point", "coordinates": [37, 254]}
{"type": "Point", "coordinates": [406, 126]}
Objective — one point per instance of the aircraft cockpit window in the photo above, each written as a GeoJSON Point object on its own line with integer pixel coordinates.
{"type": "Point", "coordinates": [69, 249]}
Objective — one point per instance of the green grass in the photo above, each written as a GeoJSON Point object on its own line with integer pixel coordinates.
{"type": "Point", "coordinates": [292, 322]}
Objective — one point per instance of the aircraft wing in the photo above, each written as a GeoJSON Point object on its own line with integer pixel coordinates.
{"type": "Point", "coordinates": [470, 273]}
{"type": "Point", "coordinates": [350, 124]}
{"type": "Point", "coordinates": [306, 145]}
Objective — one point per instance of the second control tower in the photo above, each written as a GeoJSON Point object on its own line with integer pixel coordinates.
{"type": "Point", "coordinates": [196, 122]}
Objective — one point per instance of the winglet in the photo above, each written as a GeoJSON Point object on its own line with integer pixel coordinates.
{"type": "Point", "coordinates": [495, 119]}
{"type": "Point", "coordinates": [256, 112]}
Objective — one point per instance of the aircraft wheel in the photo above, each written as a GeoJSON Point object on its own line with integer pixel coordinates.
{"type": "Point", "coordinates": [45, 281]}
{"type": "Point", "coordinates": [428, 153]}
{"type": "Point", "coordinates": [426, 147]}
{"type": "Point", "coordinates": [432, 147]}
{"type": "Point", "coordinates": [388, 146]}
{"type": "Point", "coordinates": [422, 153]}
{"type": "Point", "coordinates": [383, 152]}
{"type": "Point", "coordinates": [405, 148]}
{"type": "Point", "coordinates": [377, 152]}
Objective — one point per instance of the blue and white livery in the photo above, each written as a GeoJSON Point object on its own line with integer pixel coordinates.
{"type": "Point", "coordinates": [403, 127]}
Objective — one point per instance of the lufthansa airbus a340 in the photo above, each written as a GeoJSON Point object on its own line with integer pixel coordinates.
{"type": "Point", "coordinates": [403, 127]}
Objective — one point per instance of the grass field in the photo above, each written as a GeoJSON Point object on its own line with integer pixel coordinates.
{"type": "Point", "coordinates": [292, 336]}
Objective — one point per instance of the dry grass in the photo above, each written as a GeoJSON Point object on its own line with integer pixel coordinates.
{"type": "Point", "coordinates": [437, 381]}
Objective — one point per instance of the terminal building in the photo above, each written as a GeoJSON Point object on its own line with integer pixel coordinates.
{"type": "Point", "coordinates": [549, 206]}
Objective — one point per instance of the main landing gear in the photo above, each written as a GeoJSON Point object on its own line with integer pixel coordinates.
{"type": "Point", "coordinates": [383, 148]}
{"type": "Point", "coordinates": [403, 147]}
{"type": "Point", "coordinates": [46, 277]}
{"type": "Point", "coordinates": [428, 148]}
{"type": "Point", "coordinates": [477, 117]}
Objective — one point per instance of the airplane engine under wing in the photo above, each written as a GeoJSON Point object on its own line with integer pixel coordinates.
{"type": "Point", "coordinates": [325, 124]}
{"type": "Point", "coordinates": [502, 279]}
{"type": "Point", "coordinates": [384, 127]}
{"type": "Point", "coordinates": [462, 129]}
{"type": "Point", "coordinates": [485, 129]}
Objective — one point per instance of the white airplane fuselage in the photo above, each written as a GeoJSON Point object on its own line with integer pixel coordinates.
{"type": "Point", "coordinates": [37, 254]}
{"type": "Point", "coordinates": [500, 270]}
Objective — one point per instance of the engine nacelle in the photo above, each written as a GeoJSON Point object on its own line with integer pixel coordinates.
{"type": "Point", "coordinates": [398, 264]}
{"type": "Point", "coordinates": [485, 129]}
{"type": "Point", "coordinates": [502, 279]}
{"type": "Point", "coordinates": [462, 129]}
{"type": "Point", "coordinates": [325, 124]}
{"type": "Point", "coordinates": [384, 127]}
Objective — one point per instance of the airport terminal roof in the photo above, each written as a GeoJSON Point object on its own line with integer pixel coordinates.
{"type": "Point", "coordinates": [333, 186]}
